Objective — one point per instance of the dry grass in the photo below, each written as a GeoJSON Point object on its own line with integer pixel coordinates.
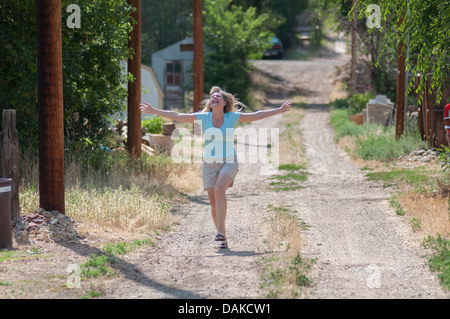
{"type": "Point", "coordinates": [284, 230]}
{"type": "Point", "coordinates": [125, 202]}
{"type": "Point", "coordinates": [186, 178]}
{"type": "Point", "coordinates": [432, 213]}
{"type": "Point", "coordinates": [291, 140]}
{"type": "Point", "coordinates": [285, 272]}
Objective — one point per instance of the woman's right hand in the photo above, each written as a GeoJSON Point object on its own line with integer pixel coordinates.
{"type": "Point", "coordinates": [146, 108]}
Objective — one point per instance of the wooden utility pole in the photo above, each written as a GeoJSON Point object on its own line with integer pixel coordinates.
{"type": "Point", "coordinates": [198, 55]}
{"type": "Point", "coordinates": [50, 101]}
{"type": "Point", "coordinates": [134, 139]}
{"type": "Point", "coordinates": [353, 61]}
{"type": "Point", "coordinates": [401, 87]}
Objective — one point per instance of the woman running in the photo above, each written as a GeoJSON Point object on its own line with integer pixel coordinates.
{"type": "Point", "coordinates": [220, 165]}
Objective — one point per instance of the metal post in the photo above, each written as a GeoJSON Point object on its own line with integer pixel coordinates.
{"type": "Point", "coordinates": [50, 100]}
{"type": "Point", "coordinates": [134, 142]}
{"type": "Point", "coordinates": [198, 55]}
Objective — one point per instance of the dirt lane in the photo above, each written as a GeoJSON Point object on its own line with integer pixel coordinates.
{"type": "Point", "coordinates": [362, 249]}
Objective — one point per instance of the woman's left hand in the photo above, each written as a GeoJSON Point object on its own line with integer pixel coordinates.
{"type": "Point", "coordinates": [286, 106]}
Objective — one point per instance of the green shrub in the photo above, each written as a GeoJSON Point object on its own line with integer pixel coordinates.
{"type": "Point", "coordinates": [354, 104]}
{"type": "Point", "coordinates": [384, 146]}
{"type": "Point", "coordinates": [440, 259]}
{"type": "Point", "coordinates": [340, 120]}
{"type": "Point", "coordinates": [375, 142]}
{"type": "Point", "coordinates": [153, 125]}
{"type": "Point", "coordinates": [444, 158]}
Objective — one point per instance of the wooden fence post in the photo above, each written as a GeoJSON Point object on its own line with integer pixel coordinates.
{"type": "Point", "coordinates": [10, 157]}
{"type": "Point", "coordinates": [5, 213]}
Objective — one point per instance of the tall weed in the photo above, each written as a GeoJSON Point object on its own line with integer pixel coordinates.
{"type": "Point", "coordinates": [110, 189]}
{"type": "Point", "coordinates": [375, 142]}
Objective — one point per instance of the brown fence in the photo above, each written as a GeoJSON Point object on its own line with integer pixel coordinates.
{"type": "Point", "coordinates": [431, 117]}
{"type": "Point", "coordinates": [10, 156]}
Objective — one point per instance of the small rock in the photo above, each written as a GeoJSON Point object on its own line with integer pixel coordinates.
{"type": "Point", "coordinates": [420, 152]}
{"type": "Point", "coordinates": [32, 225]}
{"type": "Point", "coordinates": [425, 159]}
{"type": "Point", "coordinates": [54, 221]}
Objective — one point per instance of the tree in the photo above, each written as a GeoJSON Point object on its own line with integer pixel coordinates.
{"type": "Point", "coordinates": [94, 83]}
{"type": "Point", "coordinates": [18, 66]}
{"type": "Point", "coordinates": [233, 35]}
{"type": "Point", "coordinates": [95, 86]}
{"type": "Point", "coordinates": [285, 11]}
{"type": "Point", "coordinates": [164, 23]}
{"type": "Point", "coordinates": [426, 31]}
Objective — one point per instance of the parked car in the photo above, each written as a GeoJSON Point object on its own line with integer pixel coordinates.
{"type": "Point", "coordinates": [276, 51]}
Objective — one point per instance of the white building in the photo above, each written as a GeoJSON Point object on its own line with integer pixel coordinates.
{"type": "Point", "coordinates": [151, 91]}
{"type": "Point", "coordinates": [173, 69]}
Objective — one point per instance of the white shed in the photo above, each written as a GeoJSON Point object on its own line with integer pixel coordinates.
{"type": "Point", "coordinates": [173, 69]}
{"type": "Point", "coordinates": [151, 91]}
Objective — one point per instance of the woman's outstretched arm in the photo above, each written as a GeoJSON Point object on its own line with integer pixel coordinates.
{"type": "Point", "coordinates": [146, 108]}
{"type": "Point", "coordinates": [258, 115]}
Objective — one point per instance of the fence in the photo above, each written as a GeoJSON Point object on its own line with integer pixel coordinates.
{"type": "Point", "coordinates": [431, 116]}
{"type": "Point", "coordinates": [10, 157]}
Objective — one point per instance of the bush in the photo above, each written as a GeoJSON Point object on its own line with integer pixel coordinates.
{"type": "Point", "coordinates": [440, 259]}
{"type": "Point", "coordinates": [354, 104]}
{"type": "Point", "coordinates": [94, 81]}
{"type": "Point", "coordinates": [375, 142]}
{"type": "Point", "coordinates": [384, 146]}
{"type": "Point", "coordinates": [153, 125]}
{"type": "Point", "coordinates": [343, 126]}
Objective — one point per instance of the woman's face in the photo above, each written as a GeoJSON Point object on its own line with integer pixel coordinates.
{"type": "Point", "coordinates": [217, 101]}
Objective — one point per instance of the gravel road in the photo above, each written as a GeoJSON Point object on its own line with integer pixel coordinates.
{"type": "Point", "coordinates": [362, 249]}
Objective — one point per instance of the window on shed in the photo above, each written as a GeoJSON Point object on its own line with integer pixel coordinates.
{"type": "Point", "coordinates": [174, 75]}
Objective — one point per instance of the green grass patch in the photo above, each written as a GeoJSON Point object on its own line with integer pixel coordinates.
{"type": "Point", "coordinates": [420, 179]}
{"type": "Point", "coordinates": [395, 203]}
{"type": "Point", "coordinates": [286, 282]}
{"type": "Point", "coordinates": [375, 142]}
{"type": "Point", "coordinates": [285, 272]}
{"type": "Point", "coordinates": [291, 167]}
{"type": "Point", "coordinates": [383, 146]}
{"type": "Point", "coordinates": [291, 180]}
{"type": "Point", "coordinates": [439, 261]}
{"type": "Point", "coordinates": [99, 265]}
{"type": "Point", "coordinates": [7, 255]}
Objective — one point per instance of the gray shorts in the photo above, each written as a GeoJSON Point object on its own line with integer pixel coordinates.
{"type": "Point", "coordinates": [212, 170]}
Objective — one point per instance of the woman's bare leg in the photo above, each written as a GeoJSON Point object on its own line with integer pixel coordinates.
{"type": "Point", "coordinates": [213, 204]}
{"type": "Point", "coordinates": [220, 200]}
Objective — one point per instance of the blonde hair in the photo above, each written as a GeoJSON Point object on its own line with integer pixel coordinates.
{"type": "Point", "coordinates": [232, 103]}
